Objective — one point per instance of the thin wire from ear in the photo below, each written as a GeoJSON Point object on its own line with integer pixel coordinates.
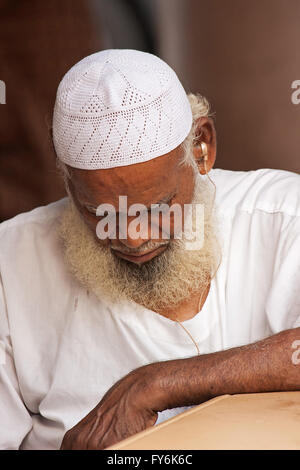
{"type": "Point", "coordinates": [212, 182]}
{"type": "Point", "coordinates": [215, 190]}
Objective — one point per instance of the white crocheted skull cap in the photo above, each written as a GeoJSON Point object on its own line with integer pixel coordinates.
{"type": "Point", "coordinates": [118, 107]}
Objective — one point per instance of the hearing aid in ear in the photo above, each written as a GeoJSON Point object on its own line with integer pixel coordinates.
{"type": "Point", "coordinates": [204, 151]}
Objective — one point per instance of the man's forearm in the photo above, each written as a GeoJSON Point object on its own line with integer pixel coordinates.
{"type": "Point", "coordinates": [131, 404]}
{"type": "Point", "coordinates": [264, 366]}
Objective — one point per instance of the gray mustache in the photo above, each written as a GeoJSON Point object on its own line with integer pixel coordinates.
{"type": "Point", "coordinates": [147, 247]}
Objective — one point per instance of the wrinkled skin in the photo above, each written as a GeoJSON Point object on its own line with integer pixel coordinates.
{"type": "Point", "coordinates": [127, 408]}
{"type": "Point", "coordinates": [131, 405]}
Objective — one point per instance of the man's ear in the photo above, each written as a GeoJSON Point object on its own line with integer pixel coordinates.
{"type": "Point", "coordinates": [205, 133]}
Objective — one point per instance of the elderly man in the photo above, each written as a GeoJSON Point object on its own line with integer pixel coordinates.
{"type": "Point", "coordinates": [108, 328]}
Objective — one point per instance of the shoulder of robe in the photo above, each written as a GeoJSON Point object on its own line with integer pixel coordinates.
{"type": "Point", "coordinates": [265, 190]}
{"type": "Point", "coordinates": [38, 216]}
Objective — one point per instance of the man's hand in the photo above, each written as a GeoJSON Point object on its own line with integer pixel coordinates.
{"type": "Point", "coordinates": [131, 405]}
{"type": "Point", "coordinates": [125, 409]}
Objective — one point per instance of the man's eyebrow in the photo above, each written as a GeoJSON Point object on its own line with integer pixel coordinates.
{"type": "Point", "coordinates": [164, 200]}
{"type": "Point", "coordinates": [87, 205]}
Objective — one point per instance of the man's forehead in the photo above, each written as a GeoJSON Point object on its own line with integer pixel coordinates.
{"type": "Point", "coordinates": [139, 182]}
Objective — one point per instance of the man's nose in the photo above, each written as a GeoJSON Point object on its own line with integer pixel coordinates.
{"type": "Point", "coordinates": [135, 235]}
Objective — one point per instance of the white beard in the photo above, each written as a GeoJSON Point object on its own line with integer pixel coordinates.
{"type": "Point", "coordinates": [164, 281]}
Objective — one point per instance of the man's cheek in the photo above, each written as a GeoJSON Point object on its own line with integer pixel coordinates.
{"type": "Point", "coordinates": [92, 222]}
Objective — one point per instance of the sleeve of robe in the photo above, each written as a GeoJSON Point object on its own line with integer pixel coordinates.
{"type": "Point", "coordinates": [15, 420]}
{"type": "Point", "coordinates": [283, 303]}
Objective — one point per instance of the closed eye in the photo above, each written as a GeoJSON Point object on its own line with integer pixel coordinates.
{"type": "Point", "coordinates": [90, 209]}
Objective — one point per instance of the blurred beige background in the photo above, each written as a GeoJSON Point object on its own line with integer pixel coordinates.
{"type": "Point", "coordinates": [241, 55]}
